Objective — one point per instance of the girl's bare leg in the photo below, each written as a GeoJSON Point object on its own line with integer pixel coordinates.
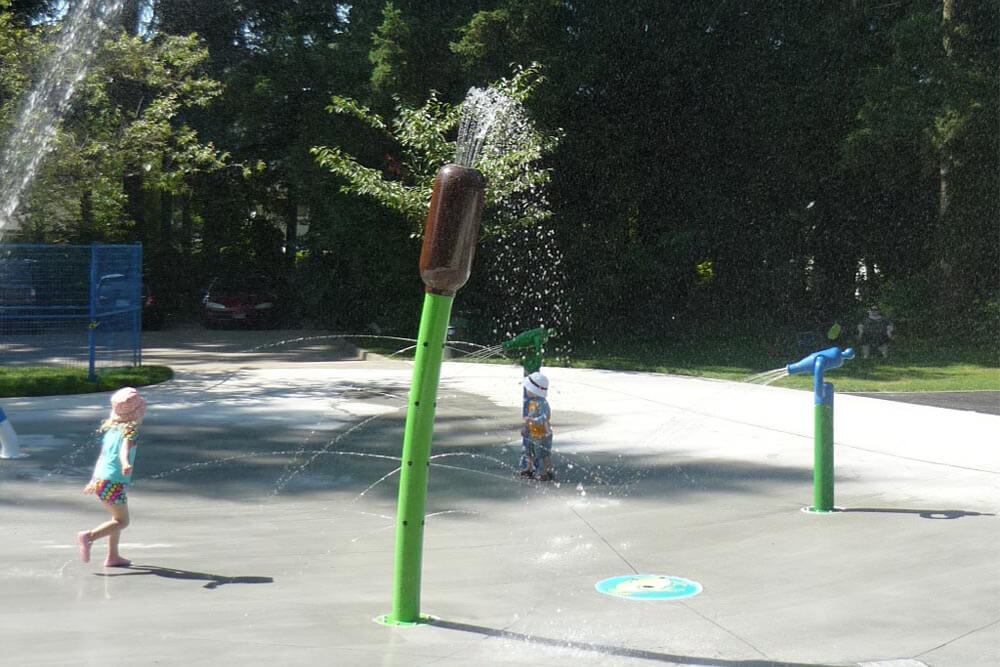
{"type": "Point", "coordinates": [112, 529]}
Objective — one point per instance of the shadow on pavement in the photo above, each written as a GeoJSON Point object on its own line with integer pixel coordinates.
{"type": "Point", "coordinates": [613, 650]}
{"type": "Point", "coordinates": [923, 514]}
{"type": "Point", "coordinates": [214, 580]}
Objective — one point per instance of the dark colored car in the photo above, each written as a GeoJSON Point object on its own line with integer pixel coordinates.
{"type": "Point", "coordinates": [239, 302]}
{"type": "Point", "coordinates": [18, 294]}
{"type": "Point", "coordinates": [17, 282]}
{"type": "Point", "coordinates": [116, 292]}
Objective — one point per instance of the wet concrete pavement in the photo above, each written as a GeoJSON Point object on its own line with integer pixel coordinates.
{"type": "Point", "coordinates": [264, 509]}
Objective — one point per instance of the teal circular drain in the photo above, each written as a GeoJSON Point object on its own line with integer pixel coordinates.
{"type": "Point", "coordinates": [649, 587]}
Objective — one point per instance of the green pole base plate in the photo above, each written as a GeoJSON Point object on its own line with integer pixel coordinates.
{"type": "Point", "coordinates": [815, 510]}
{"type": "Point", "coordinates": [387, 619]}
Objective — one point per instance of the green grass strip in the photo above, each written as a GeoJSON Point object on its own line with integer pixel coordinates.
{"type": "Point", "coordinates": [42, 381]}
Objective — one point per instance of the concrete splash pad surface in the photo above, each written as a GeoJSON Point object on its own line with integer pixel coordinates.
{"type": "Point", "coordinates": [261, 533]}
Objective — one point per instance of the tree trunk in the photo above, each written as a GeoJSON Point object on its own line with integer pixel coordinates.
{"type": "Point", "coordinates": [187, 228]}
{"type": "Point", "coordinates": [87, 216]}
{"type": "Point", "coordinates": [291, 226]}
{"type": "Point", "coordinates": [129, 16]}
{"type": "Point", "coordinates": [166, 218]}
{"type": "Point", "coordinates": [135, 204]}
{"type": "Point", "coordinates": [950, 282]}
{"type": "Point", "coordinates": [947, 158]}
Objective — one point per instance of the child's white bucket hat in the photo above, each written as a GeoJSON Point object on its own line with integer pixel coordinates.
{"type": "Point", "coordinates": [537, 384]}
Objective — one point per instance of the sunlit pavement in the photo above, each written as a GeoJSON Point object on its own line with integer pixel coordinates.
{"type": "Point", "coordinates": [264, 506]}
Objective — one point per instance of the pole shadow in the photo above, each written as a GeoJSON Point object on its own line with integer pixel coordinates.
{"type": "Point", "coordinates": [923, 514]}
{"type": "Point", "coordinates": [214, 580]}
{"type": "Point", "coordinates": [614, 650]}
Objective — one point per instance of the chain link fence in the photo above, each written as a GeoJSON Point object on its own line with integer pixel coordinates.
{"type": "Point", "coordinates": [71, 306]}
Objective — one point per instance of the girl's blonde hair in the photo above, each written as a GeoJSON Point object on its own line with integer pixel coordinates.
{"type": "Point", "coordinates": [110, 423]}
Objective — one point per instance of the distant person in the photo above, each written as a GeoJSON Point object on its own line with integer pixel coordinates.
{"type": "Point", "coordinates": [113, 472]}
{"type": "Point", "coordinates": [875, 330]}
{"type": "Point", "coordinates": [536, 434]}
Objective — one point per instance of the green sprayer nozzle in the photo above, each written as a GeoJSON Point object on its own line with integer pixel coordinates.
{"type": "Point", "coordinates": [529, 340]}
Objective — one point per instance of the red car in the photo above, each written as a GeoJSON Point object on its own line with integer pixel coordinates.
{"type": "Point", "coordinates": [239, 302]}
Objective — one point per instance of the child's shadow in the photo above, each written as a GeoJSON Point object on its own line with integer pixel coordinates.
{"type": "Point", "coordinates": [214, 580]}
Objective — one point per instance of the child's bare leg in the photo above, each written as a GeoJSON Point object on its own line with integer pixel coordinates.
{"type": "Point", "coordinates": [112, 529]}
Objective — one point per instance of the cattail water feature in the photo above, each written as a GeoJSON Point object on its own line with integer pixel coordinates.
{"type": "Point", "coordinates": [445, 265]}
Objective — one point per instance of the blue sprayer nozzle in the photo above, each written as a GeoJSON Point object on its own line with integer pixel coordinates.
{"type": "Point", "coordinates": [832, 357]}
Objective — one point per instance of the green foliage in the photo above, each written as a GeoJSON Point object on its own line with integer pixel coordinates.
{"type": "Point", "coordinates": [65, 381]}
{"type": "Point", "coordinates": [357, 270]}
{"type": "Point", "coordinates": [125, 123]}
{"type": "Point", "coordinates": [404, 185]}
{"type": "Point", "coordinates": [926, 138]}
{"type": "Point", "coordinates": [695, 136]}
{"type": "Point", "coordinates": [388, 49]}
{"type": "Point", "coordinates": [19, 49]}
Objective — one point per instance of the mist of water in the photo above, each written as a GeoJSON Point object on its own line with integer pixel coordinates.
{"type": "Point", "coordinates": [527, 275]}
{"type": "Point", "coordinates": [38, 120]}
{"type": "Point", "coordinates": [524, 270]}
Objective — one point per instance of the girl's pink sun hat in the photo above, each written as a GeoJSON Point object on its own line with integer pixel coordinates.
{"type": "Point", "coordinates": [127, 405]}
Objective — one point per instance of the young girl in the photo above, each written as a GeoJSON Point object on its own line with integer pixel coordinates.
{"type": "Point", "coordinates": [113, 472]}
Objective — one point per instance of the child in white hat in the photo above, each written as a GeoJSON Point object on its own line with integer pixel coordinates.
{"type": "Point", "coordinates": [113, 472]}
{"type": "Point", "coordinates": [536, 435]}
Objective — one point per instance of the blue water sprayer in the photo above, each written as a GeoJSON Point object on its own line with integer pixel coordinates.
{"type": "Point", "coordinates": [816, 363]}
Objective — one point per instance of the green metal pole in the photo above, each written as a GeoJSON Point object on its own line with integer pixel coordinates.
{"type": "Point", "coordinates": [823, 454]}
{"type": "Point", "coordinates": [416, 459]}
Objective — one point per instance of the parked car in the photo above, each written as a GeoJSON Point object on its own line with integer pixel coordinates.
{"type": "Point", "coordinates": [17, 282]}
{"type": "Point", "coordinates": [239, 302]}
{"type": "Point", "coordinates": [116, 292]}
{"type": "Point", "coordinates": [18, 294]}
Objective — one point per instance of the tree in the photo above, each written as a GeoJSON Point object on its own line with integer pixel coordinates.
{"type": "Point", "coordinates": [405, 183]}
{"type": "Point", "coordinates": [411, 50]}
{"type": "Point", "coordinates": [515, 198]}
{"type": "Point", "coordinates": [928, 140]}
{"type": "Point", "coordinates": [80, 194]}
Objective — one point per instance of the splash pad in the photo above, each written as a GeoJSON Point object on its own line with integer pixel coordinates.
{"type": "Point", "coordinates": [288, 471]}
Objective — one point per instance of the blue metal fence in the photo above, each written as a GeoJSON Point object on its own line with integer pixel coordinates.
{"type": "Point", "coordinates": [63, 305]}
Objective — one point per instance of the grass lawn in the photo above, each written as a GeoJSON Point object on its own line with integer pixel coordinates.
{"type": "Point", "coordinates": [861, 375]}
{"type": "Point", "coordinates": [912, 366]}
{"type": "Point", "coordinates": [41, 381]}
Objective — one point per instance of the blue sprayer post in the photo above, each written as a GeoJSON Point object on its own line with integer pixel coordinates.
{"type": "Point", "coordinates": [816, 363]}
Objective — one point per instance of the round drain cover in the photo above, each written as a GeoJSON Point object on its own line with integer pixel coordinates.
{"type": "Point", "coordinates": [649, 587]}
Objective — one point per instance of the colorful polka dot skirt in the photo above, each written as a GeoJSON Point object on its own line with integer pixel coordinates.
{"type": "Point", "coordinates": [111, 493]}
